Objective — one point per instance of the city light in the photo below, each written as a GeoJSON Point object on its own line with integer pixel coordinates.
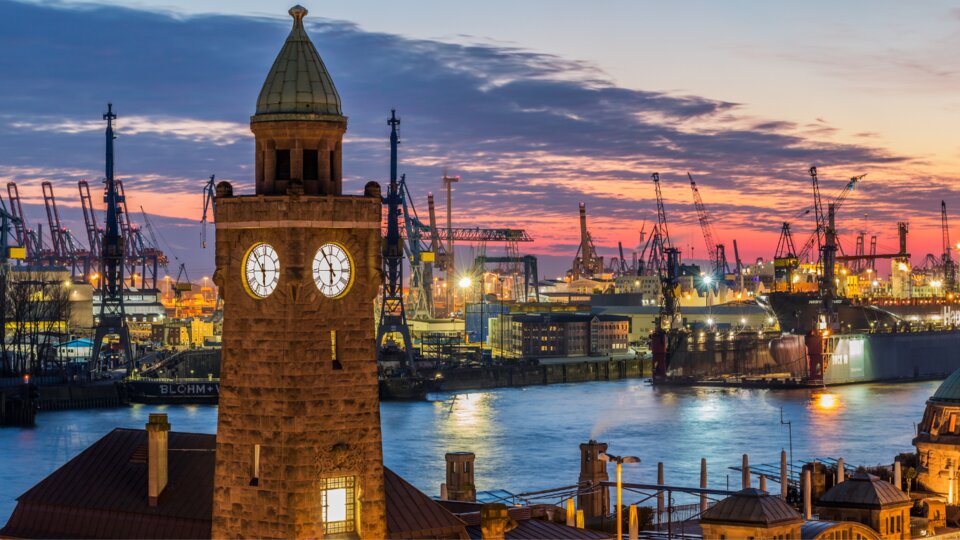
{"type": "Point", "coordinates": [707, 280]}
{"type": "Point", "coordinates": [465, 282]}
{"type": "Point", "coordinates": [710, 321]}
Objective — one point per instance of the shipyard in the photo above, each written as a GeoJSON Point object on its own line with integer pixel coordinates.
{"type": "Point", "coordinates": [313, 272]}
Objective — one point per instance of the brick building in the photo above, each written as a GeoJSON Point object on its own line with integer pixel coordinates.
{"type": "Point", "coordinates": [561, 334]}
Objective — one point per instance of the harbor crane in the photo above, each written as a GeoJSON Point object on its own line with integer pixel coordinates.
{"type": "Point", "coordinates": [209, 204]}
{"type": "Point", "coordinates": [818, 234]}
{"type": "Point", "coordinates": [716, 250]}
{"type": "Point", "coordinates": [661, 213]}
{"type": "Point", "coordinates": [393, 314]}
{"type": "Point", "coordinates": [112, 319]}
{"type": "Point", "coordinates": [94, 232]}
{"type": "Point", "coordinates": [586, 263]}
{"type": "Point", "coordinates": [26, 237]}
{"type": "Point", "coordinates": [949, 266]}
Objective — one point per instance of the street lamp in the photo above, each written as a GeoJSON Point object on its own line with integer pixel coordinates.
{"type": "Point", "coordinates": [619, 460]}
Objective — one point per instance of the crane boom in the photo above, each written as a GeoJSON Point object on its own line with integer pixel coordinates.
{"type": "Point", "coordinates": [94, 233]}
{"type": "Point", "coordinates": [209, 203]}
{"type": "Point", "coordinates": [704, 220]}
{"type": "Point", "coordinates": [661, 212]}
{"type": "Point", "coordinates": [58, 235]}
{"type": "Point", "coordinates": [949, 268]}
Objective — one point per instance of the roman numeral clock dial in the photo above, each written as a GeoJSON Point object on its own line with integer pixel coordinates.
{"type": "Point", "coordinates": [261, 270]}
{"type": "Point", "coordinates": [333, 270]}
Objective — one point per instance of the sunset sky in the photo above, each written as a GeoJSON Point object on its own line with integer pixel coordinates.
{"type": "Point", "coordinates": [537, 105]}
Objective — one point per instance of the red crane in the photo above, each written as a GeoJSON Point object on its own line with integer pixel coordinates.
{"type": "Point", "coordinates": [26, 236]}
{"type": "Point", "coordinates": [94, 233]}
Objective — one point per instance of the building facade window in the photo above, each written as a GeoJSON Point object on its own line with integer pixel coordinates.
{"type": "Point", "coordinates": [283, 165]}
{"type": "Point", "coordinates": [311, 165]}
{"type": "Point", "coordinates": [338, 498]}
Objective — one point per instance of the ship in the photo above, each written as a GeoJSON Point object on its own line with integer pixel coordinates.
{"type": "Point", "coordinates": [869, 344]}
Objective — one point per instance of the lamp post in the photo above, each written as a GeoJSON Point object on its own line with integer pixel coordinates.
{"type": "Point", "coordinates": [619, 460]}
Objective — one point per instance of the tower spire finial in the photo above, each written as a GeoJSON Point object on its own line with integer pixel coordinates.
{"type": "Point", "coordinates": [298, 12]}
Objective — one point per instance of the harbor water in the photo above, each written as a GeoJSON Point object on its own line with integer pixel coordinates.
{"type": "Point", "coordinates": [527, 439]}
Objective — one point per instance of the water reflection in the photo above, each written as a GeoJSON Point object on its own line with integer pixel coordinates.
{"type": "Point", "coordinates": [528, 438]}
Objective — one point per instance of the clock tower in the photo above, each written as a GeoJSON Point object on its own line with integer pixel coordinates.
{"type": "Point", "coordinates": [298, 265]}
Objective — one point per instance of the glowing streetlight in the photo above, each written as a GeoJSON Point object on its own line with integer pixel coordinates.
{"type": "Point", "coordinates": [619, 460]}
{"type": "Point", "coordinates": [707, 280]}
{"type": "Point", "coordinates": [466, 282]}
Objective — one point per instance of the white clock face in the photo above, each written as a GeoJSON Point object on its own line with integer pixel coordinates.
{"type": "Point", "coordinates": [332, 270]}
{"type": "Point", "coordinates": [261, 270]}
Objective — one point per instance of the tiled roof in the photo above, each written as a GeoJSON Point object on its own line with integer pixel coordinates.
{"type": "Point", "coordinates": [751, 507]}
{"type": "Point", "coordinates": [532, 522]}
{"type": "Point", "coordinates": [298, 82]}
{"type": "Point", "coordinates": [811, 530]}
{"type": "Point", "coordinates": [949, 390]}
{"type": "Point", "coordinates": [102, 493]}
{"type": "Point", "coordinates": [864, 490]}
{"type": "Point", "coordinates": [538, 529]}
{"type": "Point", "coordinates": [412, 514]}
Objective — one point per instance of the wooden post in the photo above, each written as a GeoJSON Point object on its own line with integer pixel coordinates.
{"type": "Point", "coordinates": [784, 475]}
{"type": "Point", "coordinates": [703, 484]}
{"type": "Point", "coordinates": [807, 502]}
{"type": "Point", "coordinates": [841, 471]}
{"type": "Point", "coordinates": [634, 531]}
{"type": "Point", "coordinates": [571, 514]}
{"type": "Point", "coordinates": [897, 475]}
{"type": "Point", "coordinates": [659, 493]}
{"type": "Point", "coordinates": [745, 478]}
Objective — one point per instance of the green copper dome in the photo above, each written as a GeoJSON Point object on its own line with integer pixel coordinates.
{"type": "Point", "coordinates": [298, 82]}
{"type": "Point", "coordinates": [949, 390]}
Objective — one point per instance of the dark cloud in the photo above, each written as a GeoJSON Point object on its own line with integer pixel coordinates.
{"type": "Point", "coordinates": [532, 134]}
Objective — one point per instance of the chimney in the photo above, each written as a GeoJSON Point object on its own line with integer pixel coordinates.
{"type": "Point", "coordinates": [157, 432]}
{"type": "Point", "coordinates": [594, 502]}
{"type": "Point", "coordinates": [460, 483]}
{"type": "Point", "coordinates": [495, 521]}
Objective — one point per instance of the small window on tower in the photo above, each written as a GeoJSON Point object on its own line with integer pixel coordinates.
{"type": "Point", "coordinates": [311, 169]}
{"type": "Point", "coordinates": [333, 350]}
{"type": "Point", "coordinates": [338, 499]}
{"type": "Point", "coordinates": [283, 165]}
{"type": "Point", "coordinates": [255, 466]}
{"type": "Point", "coordinates": [333, 165]}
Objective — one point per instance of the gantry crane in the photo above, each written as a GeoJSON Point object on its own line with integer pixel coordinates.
{"type": "Point", "coordinates": [26, 237]}
{"type": "Point", "coordinates": [66, 249]}
{"type": "Point", "coordinates": [716, 250]}
{"type": "Point", "coordinates": [94, 232]}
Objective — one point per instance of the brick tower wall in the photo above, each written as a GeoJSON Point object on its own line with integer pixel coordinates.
{"type": "Point", "coordinates": [279, 387]}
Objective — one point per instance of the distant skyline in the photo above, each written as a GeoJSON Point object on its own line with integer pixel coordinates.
{"type": "Point", "coordinates": [537, 105]}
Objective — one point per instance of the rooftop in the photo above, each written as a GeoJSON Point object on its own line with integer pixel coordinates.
{"type": "Point", "coordinates": [751, 507]}
{"type": "Point", "coordinates": [864, 490]}
{"type": "Point", "coordinates": [949, 390]}
{"type": "Point", "coordinates": [298, 82]}
{"type": "Point", "coordinates": [102, 493]}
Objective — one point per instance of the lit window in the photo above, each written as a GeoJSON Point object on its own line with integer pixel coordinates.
{"type": "Point", "coordinates": [338, 496]}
